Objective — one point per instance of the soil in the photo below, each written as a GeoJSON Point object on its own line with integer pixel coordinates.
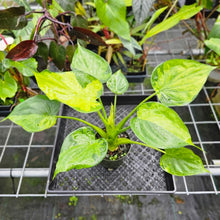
{"type": "Point", "coordinates": [121, 151]}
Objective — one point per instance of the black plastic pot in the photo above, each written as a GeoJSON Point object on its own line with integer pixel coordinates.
{"type": "Point", "coordinates": [114, 164]}
{"type": "Point", "coordinates": [132, 77]}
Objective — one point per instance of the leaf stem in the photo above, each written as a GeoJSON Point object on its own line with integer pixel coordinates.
{"type": "Point", "coordinates": [97, 129]}
{"type": "Point", "coordinates": [103, 109]}
{"type": "Point", "coordinates": [128, 141]}
{"type": "Point", "coordinates": [122, 123]}
{"type": "Point", "coordinates": [115, 103]}
{"type": "Point", "coordinates": [102, 118]}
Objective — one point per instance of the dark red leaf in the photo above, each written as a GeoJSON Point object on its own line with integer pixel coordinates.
{"type": "Point", "coordinates": [23, 50]}
{"type": "Point", "coordinates": [87, 35]}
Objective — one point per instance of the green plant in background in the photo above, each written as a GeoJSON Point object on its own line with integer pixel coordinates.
{"type": "Point", "coordinates": [213, 45]}
{"type": "Point", "coordinates": [176, 82]}
{"type": "Point", "coordinates": [14, 76]}
{"type": "Point", "coordinates": [207, 39]}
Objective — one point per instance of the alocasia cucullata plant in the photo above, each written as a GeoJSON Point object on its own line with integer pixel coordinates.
{"type": "Point", "coordinates": [176, 82]}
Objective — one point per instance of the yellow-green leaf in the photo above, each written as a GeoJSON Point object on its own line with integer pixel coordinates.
{"type": "Point", "coordinates": [78, 90]}
{"type": "Point", "coordinates": [178, 81]}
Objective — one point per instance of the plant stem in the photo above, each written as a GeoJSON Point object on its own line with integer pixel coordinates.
{"type": "Point", "coordinates": [122, 123]}
{"type": "Point", "coordinates": [102, 118]}
{"type": "Point", "coordinates": [128, 141]}
{"type": "Point", "coordinates": [168, 13]}
{"type": "Point", "coordinates": [103, 109]}
{"type": "Point", "coordinates": [115, 103]}
{"type": "Point", "coordinates": [191, 31]}
{"type": "Point", "coordinates": [124, 129]}
{"type": "Point", "coordinates": [97, 129]}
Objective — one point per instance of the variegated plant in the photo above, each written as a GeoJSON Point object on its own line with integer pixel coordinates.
{"type": "Point", "coordinates": [176, 82]}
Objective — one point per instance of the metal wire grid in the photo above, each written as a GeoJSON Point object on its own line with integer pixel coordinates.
{"type": "Point", "coordinates": [25, 158]}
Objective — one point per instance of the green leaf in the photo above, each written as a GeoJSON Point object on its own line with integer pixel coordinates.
{"type": "Point", "coordinates": [159, 126]}
{"type": "Point", "coordinates": [118, 83]}
{"type": "Point", "coordinates": [178, 81]}
{"type": "Point", "coordinates": [86, 61]}
{"type": "Point", "coordinates": [208, 4]}
{"type": "Point", "coordinates": [13, 18]}
{"type": "Point", "coordinates": [27, 32]}
{"type": "Point", "coordinates": [55, 9]}
{"type": "Point", "coordinates": [66, 88]}
{"type": "Point", "coordinates": [111, 118]}
{"type": "Point", "coordinates": [215, 31]}
{"type": "Point", "coordinates": [213, 44]}
{"type": "Point", "coordinates": [156, 14]}
{"type": "Point", "coordinates": [67, 5]}
{"type": "Point", "coordinates": [8, 87]}
{"type": "Point", "coordinates": [81, 149]}
{"type": "Point", "coordinates": [182, 162]}
{"type": "Point", "coordinates": [25, 67]}
{"type": "Point", "coordinates": [131, 45]}
{"type": "Point", "coordinates": [186, 12]}
{"type": "Point", "coordinates": [58, 54]}
{"type": "Point", "coordinates": [141, 9]}
{"type": "Point", "coordinates": [43, 51]}
{"type": "Point", "coordinates": [113, 14]}
{"type": "Point", "coordinates": [35, 114]}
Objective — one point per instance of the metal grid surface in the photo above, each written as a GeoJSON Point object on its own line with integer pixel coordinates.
{"type": "Point", "coordinates": [25, 157]}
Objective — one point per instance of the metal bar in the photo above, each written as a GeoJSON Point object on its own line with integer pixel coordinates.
{"type": "Point", "coordinates": [201, 144]}
{"type": "Point", "coordinates": [28, 172]}
{"type": "Point", "coordinates": [24, 164]}
{"type": "Point", "coordinates": [6, 142]}
{"type": "Point", "coordinates": [26, 146]}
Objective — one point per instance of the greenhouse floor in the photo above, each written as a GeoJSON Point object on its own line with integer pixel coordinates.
{"type": "Point", "coordinates": [163, 207]}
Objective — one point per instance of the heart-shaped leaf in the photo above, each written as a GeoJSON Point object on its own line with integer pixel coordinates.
{"type": "Point", "coordinates": [88, 62]}
{"type": "Point", "coordinates": [159, 126]}
{"type": "Point", "coordinates": [35, 114]}
{"type": "Point", "coordinates": [113, 14]}
{"type": "Point", "coordinates": [182, 162]}
{"type": "Point", "coordinates": [23, 50]}
{"type": "Point", "coordinates": [8, 87]}
{"type": "Point", "coordinates": [81, 149]}
{"type": "Point", "coordinates": [178, 81]}
{"type": "Point", "coordinates": [78, 90]}
{"type": "Point", "coordinates": [118, 83]}
{"type": "Point", "coordinates": [13, 18]}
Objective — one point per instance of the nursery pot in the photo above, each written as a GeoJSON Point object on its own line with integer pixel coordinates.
{"type": "Point", "coordinates": [109, 162]}
{"type": "Point", "coordinates": [133, 76]}
{"type": "Point", "coordinates": [113, 164]}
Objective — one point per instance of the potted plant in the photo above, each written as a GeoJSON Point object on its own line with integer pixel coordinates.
{"type": "Point", "coordinates": [176, 82]}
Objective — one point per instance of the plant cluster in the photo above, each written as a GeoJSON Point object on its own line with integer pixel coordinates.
{"type": "Point", "coordinates": [176, 82]}
{"type": "Point", "coordinates": [81, 75]}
